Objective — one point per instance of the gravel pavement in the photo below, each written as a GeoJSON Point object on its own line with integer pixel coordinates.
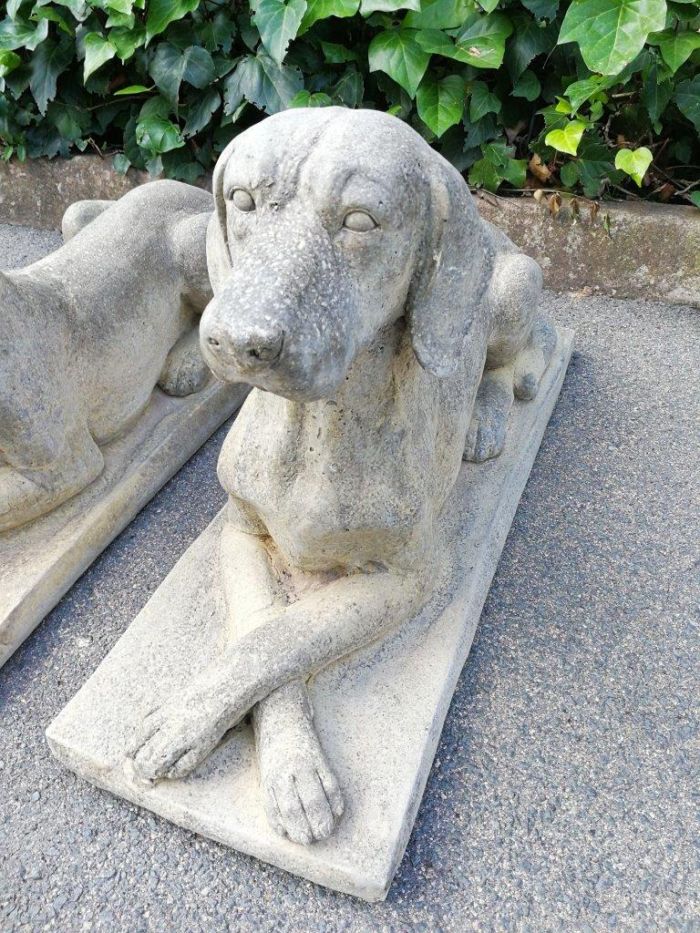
{"type": "Point", "coordinates": [564, 793]}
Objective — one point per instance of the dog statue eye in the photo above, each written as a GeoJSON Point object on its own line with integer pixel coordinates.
{"type": "Point", "coordinates": [243, 200]}
{"type": "Point", "coordinates": [359, 222]}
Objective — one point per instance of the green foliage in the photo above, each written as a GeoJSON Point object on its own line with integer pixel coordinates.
{"type": "Point", "coordinates": [591, 96]}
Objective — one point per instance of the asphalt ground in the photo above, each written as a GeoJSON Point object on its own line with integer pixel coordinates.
{"type": "Point", "coordinates": [564, 795]}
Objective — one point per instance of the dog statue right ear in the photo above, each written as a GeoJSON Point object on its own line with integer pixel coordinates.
{"type": "Point", "coordinates": [218, 254]}
{"type": "Point", "coordinates": [446, 297]}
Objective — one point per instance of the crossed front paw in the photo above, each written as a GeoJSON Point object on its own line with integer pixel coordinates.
{"type": "Point", "coordinates": [301, 796]}
{"type": "Point", "coordinates": [174, 741]}
{"type": "Point", "coordinates": [178, 735]}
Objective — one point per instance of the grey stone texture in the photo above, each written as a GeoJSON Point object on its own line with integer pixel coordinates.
{"type": "Point", "coordinates": [39, 192]}
{"type": "Point", "coordinates": [104, 391]}
{"type": "Point", "coordinates": [386, 331]}
{"type": "Point", "coordinates": [628, 249]}
{"type": "Point", "coordinates": [562, 794]}
{"type": "Point", "coordinates": [378, 714]}
{"type": "Point", "coordinates": [648, 251]}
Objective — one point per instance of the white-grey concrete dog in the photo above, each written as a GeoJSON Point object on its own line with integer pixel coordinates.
{"type": "Point", "coordinates": [88, 331]}
{"type": "Point", "coordinates": [386, 328]}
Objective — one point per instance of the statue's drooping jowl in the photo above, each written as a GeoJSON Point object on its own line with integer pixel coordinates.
{"type": "Point", "coordinates": [387, 330]}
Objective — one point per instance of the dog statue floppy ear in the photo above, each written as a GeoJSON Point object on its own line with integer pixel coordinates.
{"type": "Point", "coordinates": [218, 254]}
{"type": "Point", "coordinates": [447, 294]}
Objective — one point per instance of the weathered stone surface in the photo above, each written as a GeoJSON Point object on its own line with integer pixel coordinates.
{"type": "Point", "coordinates": [38, 192]}
{"type": "Point", "coordinates": [378, 713]}
{"type": "Point", "coordinates": [650, 251]}
{"type": "Point", "coordinates": [87, 333]}
{"type": "Point", "coordinates": [640, 250]}
{"type": "Point", "coordinates": [386, 331]}
{"type": "Point", "coordinates": [40, 561]}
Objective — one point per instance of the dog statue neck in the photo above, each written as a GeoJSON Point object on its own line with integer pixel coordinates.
{"type": "Point", "coordinates": [308, 470]}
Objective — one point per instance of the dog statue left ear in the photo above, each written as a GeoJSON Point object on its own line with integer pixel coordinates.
{"type": "Point", "coordinates": [447, 293]}
{"type": "Point", "coordinates": [218, 254]}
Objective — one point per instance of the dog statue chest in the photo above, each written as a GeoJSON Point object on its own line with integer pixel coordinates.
{"type": "Point", "coordinates": [313, 476]}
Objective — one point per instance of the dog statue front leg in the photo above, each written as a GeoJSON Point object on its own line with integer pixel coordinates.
{"type": "Point", "coordinates": [289, 643]}
{"type": "Point", "coordinates": [301, 795]}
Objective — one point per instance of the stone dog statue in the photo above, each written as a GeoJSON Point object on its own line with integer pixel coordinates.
{"type": "Point", "coordinates": [386, 329]}
{"type": "Point", "coordinates": [87, 332]}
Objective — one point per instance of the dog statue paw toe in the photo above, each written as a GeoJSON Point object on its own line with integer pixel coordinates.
{"type": "Point", "coordinates": [185, 371]}
{"type": "Point", "coordinates": [173, 743]}
{"type": "Point", "coordinates": [301, 795]}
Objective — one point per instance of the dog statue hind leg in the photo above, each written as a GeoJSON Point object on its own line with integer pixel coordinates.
{"type": "Point", "coordinates": [48, 453]}
{"type": "Point", "coordinates": [521, 346]}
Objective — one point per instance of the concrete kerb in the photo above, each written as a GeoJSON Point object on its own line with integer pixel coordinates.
{"type": "Point", "coordinates": [625, 250]}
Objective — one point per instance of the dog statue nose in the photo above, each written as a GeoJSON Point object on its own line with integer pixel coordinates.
{"type": "Point", "coordinates": [252, 349]}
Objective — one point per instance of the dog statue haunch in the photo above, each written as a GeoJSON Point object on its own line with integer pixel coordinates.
{"type": "Point", "coordinates": [88, 332]}
{"type": "Point", "coordinates": [386, 329]}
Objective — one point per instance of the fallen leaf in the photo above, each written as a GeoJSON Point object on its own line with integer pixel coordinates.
{"type": "Point", "coordinates": [539, 169]}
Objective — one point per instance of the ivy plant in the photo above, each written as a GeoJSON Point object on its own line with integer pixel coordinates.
{"type": "Point", "coordinates": [597, 97]}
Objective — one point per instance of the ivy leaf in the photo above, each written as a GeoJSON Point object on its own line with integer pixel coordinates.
{"type": "Point", "coordinates": [47, 12]}
{"type": "Point", "coordinates": [367, 7]}
{"type": "Point", "coordinates": [440, 14]}
{"type": "Point", "coordinates": [676, 47]}
{"type": "Point", "coordinates": [132, 89]}
{"type": "Point", "coordinates": [656, 95]}
{"type": "Point", "coordinates": [527, 86]}
{"type": "Point", "coordinates": [688, 99]}
{"type": "Point", "coordinates": [278, 23]}
{"type": "Point", "coordinates": [155, 133]}
{"type": "Point", "coordinates": [8, 62]}
{"type": "Point", "coordinates": [496, 166]}
{"type": "Point", "coordinates": [482, 101]}
{"type": "Point", "coordinates": [578, 92]}
{"type": "Point", "coordinates": [49, 61]}
{"type": "Point", "coordinates": [695, 198]}
{"type": "Point", "coordinates": [78, 8]}
{"type": "Point", "coordinates": [218, 32]}
{"type": "Point", "coordinates": [200, 112]}
{"type": "Point", "coordinates": [98, 50]}
{"type": "Point", "coordinates": [323, 9]}
{"type": "Point", "coordinates": [530, 39]}
{"type": "Point", "coordinates": [121, 163]}
{"type": "Point", "coordinates": [170, 67]}
{"type": "Point", "coordinates": [595, 166]}
{"type": "Point", "coordinates": [336, 54]}
{"type": "Point", "coordinates": [263, 83]}
{"type": "Point", "coordinates": [397, 53]}
{"type": "Point", "coordinates": [488, 5]}
{"type": "Point", "coordinates": [350, 89]}
{"type": "Point", "coordinates": [481, 41]}
{"type": "Point", "coordinates": [566, 139]}
{"type": "Point", "coordinates": [307, 99]}
{"type": "Point", "coordinates": [542, 9]}
{"type": "Point", "coordinates": [163, 12]}
{"type": "Point", "coordinates": [21, 35]}
{"type": "Point", "coordinates": [440, 103]}
{"type": "Point", "coordinates": [12, 7]}
{"type": "Point", "coordinates": [634, 162]}
{"type": "Point", "coordinates": [484, 38]}
{"type": "Point", "coordinates": [610, 33]}
{"type": "Point", "coordinates": [569, 174]}
{"type": "Point", "coordinates": [126, 41]}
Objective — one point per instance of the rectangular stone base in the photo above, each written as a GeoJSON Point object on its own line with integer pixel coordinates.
{"type": "Point", "coordinates": [40, 561]}
{"type": "Point", "coordinates": [379, 713]}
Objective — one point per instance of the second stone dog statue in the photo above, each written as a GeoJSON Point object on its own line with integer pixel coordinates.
{"type": "Point", "coordinates": [88, 332]}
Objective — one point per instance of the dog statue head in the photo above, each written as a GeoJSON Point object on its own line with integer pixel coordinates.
{"type": "Point", "coordinates": [331, 224]}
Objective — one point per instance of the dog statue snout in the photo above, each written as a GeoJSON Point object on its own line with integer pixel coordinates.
{"type": "Point", "coordinates": [250, 350]}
